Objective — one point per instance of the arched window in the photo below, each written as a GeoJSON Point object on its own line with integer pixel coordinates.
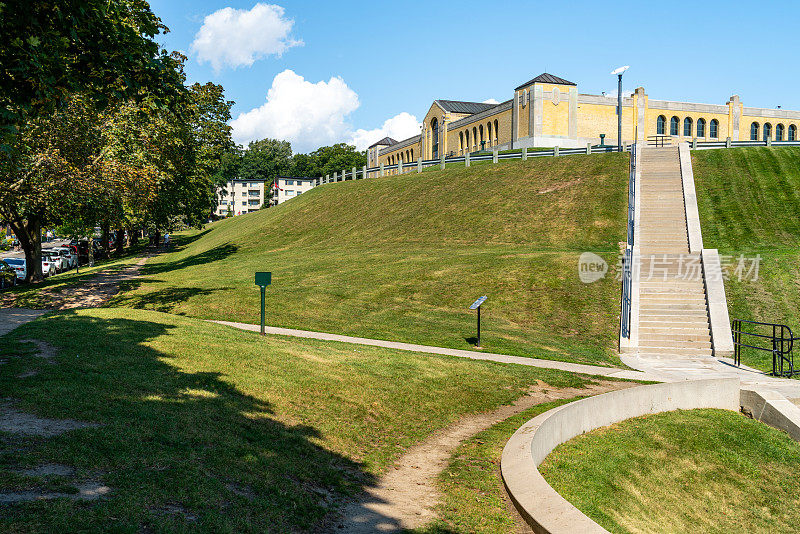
{"type": "Point", "coordinates": [767, 131]}
{"type": "Point", "coordinates": [480, 130]}
{"type": "Point", "coordinates": [687, 127]}
{"type": "Point", "coordinates": [461, 141]}
{"type": "Point", "coordinates": [661, 125]}
{"type": "Point", "coordinates": [496, 133]}
{"type": "Point", "coordinates": [474, 137]}
{"type": "Point", "coordinates": [674, 126]}
{"type": "Point", "coordinates": [489, 131]}
{"type": "Point", "coordinates": [713, 129]}
{"type": "Point", "coordinates": [792, 132]}
{"type": "Point", "coordinates": [466, 138]}
{"type": "Point", "coordinates": [779, 132]}
{"type": "Point", "coordinates": [412, 154]}
{"type": "Point", "coordinates": [754, 131]}
{"type": "Point", "coordinates": [435, 138]}
{"type": "Point", "coordinates": [701, 127]}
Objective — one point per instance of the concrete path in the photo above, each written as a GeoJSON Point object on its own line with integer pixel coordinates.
{"type": "Point", "coordinates": [10, 318]}
{"type": "Point", "coordinates": [471, 354]}
{"type": "Point", "coordinates": [673, 368]}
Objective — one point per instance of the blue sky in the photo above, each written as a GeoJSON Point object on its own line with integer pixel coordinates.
{"type": "Point", "coordinates": [389, 60]}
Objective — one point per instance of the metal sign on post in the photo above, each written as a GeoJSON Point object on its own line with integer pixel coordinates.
{"type": "Point", "coordinates": [477, 306]}
{"type": "Point", "coordinates": [263, 280]}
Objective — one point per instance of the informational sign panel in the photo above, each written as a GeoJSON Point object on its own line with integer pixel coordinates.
{"type": "Point", "coordinates": [263, 279]}
{"type": "Point", "coordinates": [477, 303]}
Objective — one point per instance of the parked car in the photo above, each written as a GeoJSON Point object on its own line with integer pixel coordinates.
{"type": "Point", "coordinates": [82, 250]}
{"type": "Point", "coordinates": [66, 257]}
{"type": "Point", "coordinates": [8, 275]}
{"type": "Point", "coordinates": [18, 264]}
{"type": "Point", "coordinates": [49, 264]}
{"type": "Point", "coordinates": [57, 258]}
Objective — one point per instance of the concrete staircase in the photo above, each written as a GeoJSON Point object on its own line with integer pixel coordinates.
{"type": "Point", "coordinates": [673, 312]}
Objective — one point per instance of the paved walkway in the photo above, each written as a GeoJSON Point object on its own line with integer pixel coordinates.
{"type": "Point", "coordinates": [672, 368]}
{"type": "Point", "coordinates": [471, 354]}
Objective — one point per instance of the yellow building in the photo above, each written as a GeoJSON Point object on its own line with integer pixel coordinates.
{"type": "Point", "coordinates": [548, 111]}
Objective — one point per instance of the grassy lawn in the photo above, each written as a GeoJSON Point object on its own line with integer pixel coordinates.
{"type": "Point", "coordinates": [749, 202]}
{"type": "Point", "coordinates": [402, 258]}
{"type": "Point", "coordinates": [473, 496]}
{"type": "Point", "coordinates": [206, 428]}
{"type": "Point", "coordinates": [685, 471]}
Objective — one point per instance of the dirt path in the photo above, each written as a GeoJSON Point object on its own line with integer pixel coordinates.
{"type": "Point", "coordinates": [405, 497]}
{"type": "Point", "coordinates": [91, 292]}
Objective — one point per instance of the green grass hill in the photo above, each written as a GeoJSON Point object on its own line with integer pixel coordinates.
{"type": "Point", "coordinates": [402, 257]}
{"type": "Point", "coordinates": [749, 202]}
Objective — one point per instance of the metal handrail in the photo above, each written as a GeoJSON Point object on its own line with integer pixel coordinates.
{"type": "Point", "coordinates": [659, 139]}
{"type": "Point", "coordinates": [780, 346]}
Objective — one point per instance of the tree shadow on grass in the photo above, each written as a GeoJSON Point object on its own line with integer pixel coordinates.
{"type": "Point", "coordinates": [215, 254]}
{"type": "Point", "coordinates": [164, 300]}
{"type": "Point", "coordinates": [181, 451]}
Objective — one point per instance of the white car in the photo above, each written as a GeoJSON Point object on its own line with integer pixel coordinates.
{"type": "Point", "coordinates": [61, 262]}
{"type": "Point", "coordinates": [18, 264]}
{"type": "Point", "coordinates": [69, 260]}
{"type": "Point", "coordinates": [49, 264]}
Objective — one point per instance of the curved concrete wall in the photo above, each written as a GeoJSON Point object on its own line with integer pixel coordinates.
{"type": "Point", "coordinates": [539, 504]}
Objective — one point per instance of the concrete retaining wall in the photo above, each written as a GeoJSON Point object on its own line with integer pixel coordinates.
{"type": "Point", "coordinates": [721, 334]}
{"type": "Point", "coordinates": [690, 200]}
{"type": "Point", "coordinates": [539, 504]}
{"type": "Point", "coordinates": [773, 409]}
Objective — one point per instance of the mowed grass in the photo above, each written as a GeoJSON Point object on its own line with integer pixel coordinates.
{"type": "Point", "coordinates": [684, 471]}
{"type": "Point", "coordinates": [207, 428]}
{"type": "Point", "coordinates": [403, 257]}
{"type": "Point", "coordinates": [749, 202]}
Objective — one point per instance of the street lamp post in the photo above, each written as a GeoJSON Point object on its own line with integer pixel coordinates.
{"type": "Point", "coordinates": [619, 73]}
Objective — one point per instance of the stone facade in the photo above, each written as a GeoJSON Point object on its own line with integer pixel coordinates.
{"type": "Point", "coordinates": [549, 111]}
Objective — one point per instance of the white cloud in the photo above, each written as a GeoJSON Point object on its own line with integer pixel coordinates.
{"type": "Point", "coordinates": [308, 115]}
{"type": "Point", "coordinates": [490, 101]}
{"type": "Point", "coordinates": [401, 126]}
{"type": "Point", "coordinates": [237, 37]}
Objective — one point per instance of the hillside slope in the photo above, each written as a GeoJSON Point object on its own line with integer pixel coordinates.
{"type": "Point", "coordinates": [749, 202]}
{"type": "Point", "coordinates": [402, 258]}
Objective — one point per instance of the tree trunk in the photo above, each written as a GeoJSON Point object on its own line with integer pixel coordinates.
{"type": "Point", "coordinates": [29, 234]}
{"type": "Point", "coordinates": [105, 239]}
{"type": "Point", "coordinates": [134, 234]}
{"type": "Point", "coordinates": [158, 239]}
{"type": "Point", "coordinates": [120, 244]}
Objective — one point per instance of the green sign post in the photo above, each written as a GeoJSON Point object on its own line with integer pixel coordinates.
{"type": "Point", "coordinates": [263, 280]}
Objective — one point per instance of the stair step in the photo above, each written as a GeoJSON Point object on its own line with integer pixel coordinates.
{"type": "Point", "coordinates": [676, 350]}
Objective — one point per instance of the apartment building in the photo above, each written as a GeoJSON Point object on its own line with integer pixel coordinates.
{"type": "Point", "coordinates": [240, 196]}
{"type": "Point", "coordinates": [287, 187]}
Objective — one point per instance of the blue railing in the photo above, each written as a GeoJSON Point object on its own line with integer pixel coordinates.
{"type": "Point", "coordinates": [625, 313]}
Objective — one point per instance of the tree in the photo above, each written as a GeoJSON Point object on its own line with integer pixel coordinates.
{"type": "Point", "coordinates": [265, 159]}
{"type": "Point", "coordinates": [46, 172]}
{"type": "Point", "coordinates": [53, 56]}
{"type": "Point", "coordinates": [330, 159]}
{"type": "Point", "coordinates": [103, 49]}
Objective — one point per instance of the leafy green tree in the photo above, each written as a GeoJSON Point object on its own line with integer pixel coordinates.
{"type": "Point", "coordinates": [103, 49]}
{"type": "Point", "coordinates": [330, 159]}
{"type": "Point", "coordinates": [47, 172]}
{"type": "Point", "coordinates": [266, 159]}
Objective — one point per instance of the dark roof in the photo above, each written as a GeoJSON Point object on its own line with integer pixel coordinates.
{"type": "Point", "coordinates": [546, 78]}
{"type": "Point", "coordinates": [470, 108]}
{"type": "Point", "coordinates": [385, 141]}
